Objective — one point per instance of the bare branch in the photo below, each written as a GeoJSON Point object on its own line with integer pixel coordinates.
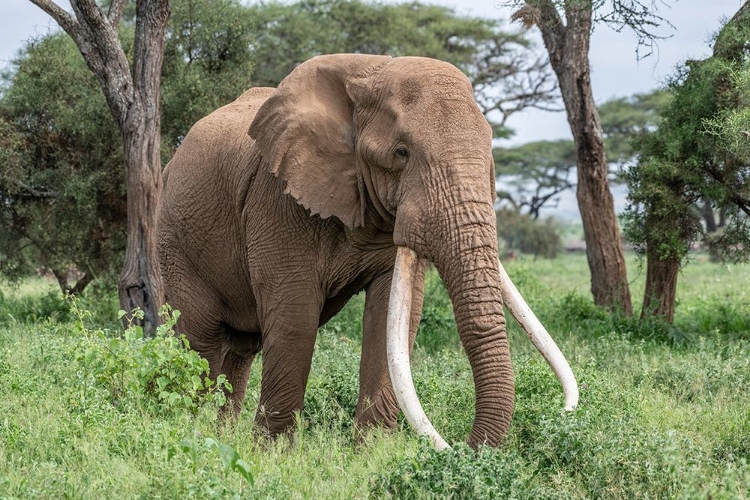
{"type": "Point", "coordinates": [115, 12]}
{"type": "Point", "coordinates": [63, 18]}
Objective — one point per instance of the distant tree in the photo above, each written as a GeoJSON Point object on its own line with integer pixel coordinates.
{"type": "Point", "coordinates": [625, 118]}
{"type": "Point", "coordinates": [62, 202]}
{"type": "Point", "coordinates": [521, 232]}
{"type": "Point", "coordinates": [208, 62]}
{"type": "Point", "coordinates": [507, 74]}
{"type": "Point", "coordinates": [535, 174]}
{"type": "Point", "coordinates": [566, 27]}
{"type": "Point", "coordinates": [697, 156]}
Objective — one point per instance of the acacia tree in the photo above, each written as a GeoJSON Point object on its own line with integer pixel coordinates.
{"type": "Point", "coordinates": [133, 99]}
{"type": "Point", "coordinates": [566, 27]}
{"type": "Point", "coordinates": [61, 155]}
{"type": "Point", "coordinates": [535, 174]}
{"type": "Point", "coordinates": [508, 76]}
{"type": "Point", "coordinates": [61, 177]}
{"type": "Point", "coordinates": [697, 156]}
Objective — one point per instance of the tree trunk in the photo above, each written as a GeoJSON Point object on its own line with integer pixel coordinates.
{"type": "Point", "coordinates": [708, 215]}
{"type": "Point", "coordinates": [133, 100]}
{"type": "Point", "coordinates": [568, 48]}
{"type": "Point", "coordinates": [78, 288]}
{"type": "Point", "coordinates": [661, 287]}
{"type": "Point", "coordinates": [140, 282]}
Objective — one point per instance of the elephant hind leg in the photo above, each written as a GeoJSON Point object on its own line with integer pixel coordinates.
{"type": "Point", "coordinates": [241, 348]}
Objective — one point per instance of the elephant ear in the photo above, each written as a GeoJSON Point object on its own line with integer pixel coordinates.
{"type": "Point", "coordinates": [306, 133]}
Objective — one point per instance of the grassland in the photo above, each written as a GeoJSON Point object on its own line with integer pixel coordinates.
{"type": "Point", "coordinates": [664, 412]}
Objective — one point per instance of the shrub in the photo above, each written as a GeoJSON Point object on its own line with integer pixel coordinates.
{"type": "Point", "coordinates": [34, 309]}
{"type": "Point", "coordinates": [163, 368]}
{"type": "Point", "coordinates": [458, 473]}
{"type": "Point", "coordinates": [530, 236]}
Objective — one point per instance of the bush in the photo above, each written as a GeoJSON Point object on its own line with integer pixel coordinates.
{"type": "Point", "coordinates": [34, 309]}
{"type": "Point", "coordinates": [163, 368]}
{"type": "Point", "coordinates": [458, 473]}
{"type": "Point", "coordinates": [531, 236]}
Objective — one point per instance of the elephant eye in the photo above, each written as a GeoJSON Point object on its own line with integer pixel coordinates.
{"type": "Point", "coordinates": [402, 152]}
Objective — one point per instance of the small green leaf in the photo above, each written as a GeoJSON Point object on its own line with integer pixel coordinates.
{"type": "Point", "coordinates": [243, 468]}
{"type": "Point", "coordinates": [114, 344]}
{"type": "Point", "coordinates": [210, 443]}
{"type": "Point", "coordinates": [185, 445]}
{"type": "Point", "coordinates": [228, 455]}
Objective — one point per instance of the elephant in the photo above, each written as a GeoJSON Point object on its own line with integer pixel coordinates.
{"type": "Point", "coordinates": [350, 176]}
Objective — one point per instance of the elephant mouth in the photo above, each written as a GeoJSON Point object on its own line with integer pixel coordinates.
{"type": "Point", "coordinates": [399, 367]}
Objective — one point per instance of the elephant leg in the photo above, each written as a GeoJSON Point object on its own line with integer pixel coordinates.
{"type": "Point", "coordinates": [289, 332]}
{"type": "Point", "coordinates": [237, 370]}
{"type": "Point", "coordinates": [200, 319]}
{"type": "Point", "coordinates": [377, 402]}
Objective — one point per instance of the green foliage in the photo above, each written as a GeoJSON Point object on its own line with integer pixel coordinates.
{"type": "Point", "coordinates": [208, 62]}
{"type": "Point", "coordinates": [437, 328]}
{"type": "Point", "coordinates": [460, 473]}
{"type": "Point", "coordinates": [289, 34]}
{"type": "Point", "coordinates": [627, 117]}
{"type": "Point", "coordinates": [62, 179]}
{"type": "Point", "coordinates": [694, 156]}
{"type": "Point", "coordinates": [655, 419]}
{"type": "Point", "coordinates": [506, 74]}
{"type": "Point", "coordinates": [229, 457]}
{"type": "Point", "coordinates": [525, 234]}
{"type": "Point", "coordinates": [47, 306]}
{"type": "Point", "coordinates": [162, 368]}
{"type": "Point", "coordinates": [535, 173]}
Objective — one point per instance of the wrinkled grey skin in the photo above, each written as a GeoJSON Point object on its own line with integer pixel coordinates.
{"type": "Point", "coordinates": [280, 206]}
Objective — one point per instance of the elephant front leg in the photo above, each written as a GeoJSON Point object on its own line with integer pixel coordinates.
{"type": "Point", "coordinates": [377, 402]}
{"type": "Point", "coordinates": [288, 343]}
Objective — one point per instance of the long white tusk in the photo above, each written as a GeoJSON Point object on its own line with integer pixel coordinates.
{"type": "Point", "coordinates": [540, 338]}
{"type": "Point", "coordinates": [399, 315]}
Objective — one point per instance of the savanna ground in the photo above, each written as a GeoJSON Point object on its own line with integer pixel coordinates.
{"type": "Point", "coordinates": [90, 411]}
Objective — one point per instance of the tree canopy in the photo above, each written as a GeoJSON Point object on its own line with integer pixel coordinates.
{"type": "Point", "coordinates": [535, 174]}
{"type": "Point", "coordinates": [62, 184]}
{"type": "Point", "coordinates": [697, 155]}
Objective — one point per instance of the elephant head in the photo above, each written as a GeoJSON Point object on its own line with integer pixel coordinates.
{"type": "Point", "coordinates": [401, 144]}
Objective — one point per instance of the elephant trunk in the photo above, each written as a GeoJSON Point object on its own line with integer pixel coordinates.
{"type": "Point", "coordinates": [466, 258]}
{"type": "Point", "coordinates": [478, 286]}
{"type": "Point", "coordinates": [475, 289]}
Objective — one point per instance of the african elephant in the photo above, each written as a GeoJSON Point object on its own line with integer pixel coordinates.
{"type": "Point", "coordinates": [279, 207]}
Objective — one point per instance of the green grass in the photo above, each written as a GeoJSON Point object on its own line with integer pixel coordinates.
{"type": "Point", "coordinates": [664, 412]}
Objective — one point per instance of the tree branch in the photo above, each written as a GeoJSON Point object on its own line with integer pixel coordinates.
{"type": "Point", "coordinates": [63, 18]}
{"type": "Point", "coordinates": [115, 12]}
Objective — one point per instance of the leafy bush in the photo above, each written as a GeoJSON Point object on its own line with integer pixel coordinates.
{"type": "Point", "coordinates": [163, 368]}
{"type": "Point", "coordinates": [528, 235]}
{"type": "Point", "coordinates": [33, 309]}
{"type": "Point", "coordinates": [459, 473]}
